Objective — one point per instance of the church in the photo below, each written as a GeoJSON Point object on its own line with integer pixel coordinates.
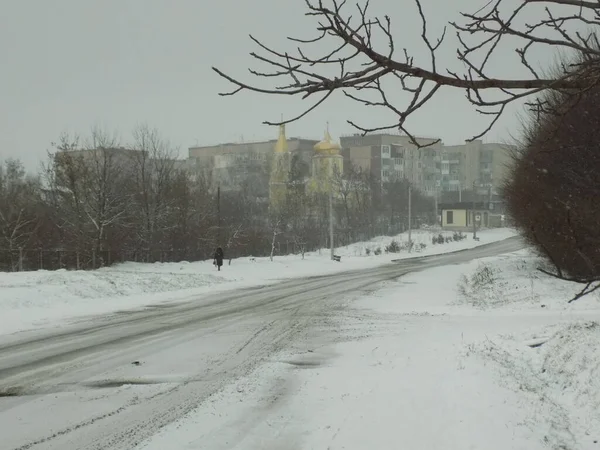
{"type": "Point", "coordinates": [327, 166]}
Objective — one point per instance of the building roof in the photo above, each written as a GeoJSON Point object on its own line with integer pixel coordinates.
{"type": "Point", "coordinates": [327, 146]}
{"type": "Point", "coordinates": [464, 205]}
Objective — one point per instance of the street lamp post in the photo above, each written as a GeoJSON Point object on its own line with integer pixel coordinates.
{"type": "Point", "coordinates": [331, 221]}
{"type": "Point", "coordinates": [218, 215]}
{"type": "Point", "coordinates": [435, 205]}
{"type": "Point", "coordinates": [409, 218]}
{"type": "Point", "coordinates": [473, 213]}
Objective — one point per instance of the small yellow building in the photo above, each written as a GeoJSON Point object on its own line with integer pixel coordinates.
{"type": "Point", "coordinates": [460, 216]}
{"type": "Point", "coordinates": [454, 218]}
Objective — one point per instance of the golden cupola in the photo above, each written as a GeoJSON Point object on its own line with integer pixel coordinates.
{"type": "Point", "coordinates": [327, 146]}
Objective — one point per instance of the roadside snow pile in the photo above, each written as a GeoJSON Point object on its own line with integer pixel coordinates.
{"type": "Point", "coordinates": [571, 360]}
{"type": "Point", "coordinates": [61, 286]}
{"type": "Point", "coordinates": [558, 374]}
{"type": "Point", "coordinates": [423, 243]}
{"type": "Point", "coordinates": [34, 299]}
{"type": "Point", "coordinates": [515, 280]}
{"type": "Point", "coordinates": [555, 366]}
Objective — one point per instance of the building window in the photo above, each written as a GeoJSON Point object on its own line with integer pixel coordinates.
{"type": "Point", "coordinates": [385, 150]}
{"type": "Point", "coordinates": [449, 217]}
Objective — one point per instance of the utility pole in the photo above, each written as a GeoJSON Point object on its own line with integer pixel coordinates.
{"type": "Point", "coordinates": [331, 221]}
{"type": "Point", "coordinates": [409, 218]}
{"type": "Point", "coordinates": [473, 213]}
{"type": "Point", "coordinates": [459, 193]}
{"type": "Point", "coordinates": [219, 215]}
{"type": "Point", "coordinates": [435, 206]}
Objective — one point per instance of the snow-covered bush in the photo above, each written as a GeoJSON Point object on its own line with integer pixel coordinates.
{"type": "Point", "coordinates": [393, 247]}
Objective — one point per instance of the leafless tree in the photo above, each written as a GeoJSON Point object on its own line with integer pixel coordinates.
{"type": "Point", "coordinates": [19, 197]}
{"type": "Point", "coordinates": [276, 230]}
{"type": "Point", "coordinates": [300, 217]}
{"type": "Point", "coordinates": [235, 238]}
{"type": "Point", "coordinates": [89, 188]}
{"type": "Point", "coordinates": [153, 176]}
{"type": "Point", "coordinates": [343, 187]}
{"type": "Point", "coordinates": [365, 72]}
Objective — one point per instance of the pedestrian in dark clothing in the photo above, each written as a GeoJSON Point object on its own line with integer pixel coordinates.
{"type": "Point", "coordinates": [218, 257]}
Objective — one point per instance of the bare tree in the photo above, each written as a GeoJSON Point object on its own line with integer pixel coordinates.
{"type": "Point", "coordinates": [276, 230]}
{"type": "Point", "coordinates": [153, 176]}
{"type": "Point", "coordinates": [19, 196]}
{"type": "Point", "coordinates": [353, 64]}
{"type": "Point", "coordinates": [89, 189]}
{"type": "Point", "coordinates": [235, 238]}
{"type": "Point", "coordinates": [343, 187]}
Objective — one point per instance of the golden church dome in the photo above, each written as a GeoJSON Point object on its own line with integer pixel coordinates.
{"type": "Point", "coordinates": [327, 146]}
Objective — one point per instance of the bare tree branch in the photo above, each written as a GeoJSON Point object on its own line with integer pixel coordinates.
{"type": "Point", "coordinates": [362, 67]}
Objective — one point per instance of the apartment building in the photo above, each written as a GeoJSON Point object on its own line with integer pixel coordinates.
{"type": "Point", "coordinates": [475, 164]}
{"type": "Point", "coordinates": [119, 160]}
{"type": "Point", "coordinates": [109, 162]}
{"type": "Point", "coordinates": [231, 165]}
{"type": "Point", "coordinates": [388, 157]}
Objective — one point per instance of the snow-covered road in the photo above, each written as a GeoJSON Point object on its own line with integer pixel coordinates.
{"type": "Point", "coordinates": [112, 382]}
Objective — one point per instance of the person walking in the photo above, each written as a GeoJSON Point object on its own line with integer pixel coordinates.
{"type": "Point", "coordinates": [218, 258]}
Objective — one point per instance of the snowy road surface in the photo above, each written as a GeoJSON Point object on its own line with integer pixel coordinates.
{"type": "Point", "coordinates": [112, 382]}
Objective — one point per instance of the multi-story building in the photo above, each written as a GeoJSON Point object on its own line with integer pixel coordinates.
{"type": "Point", "coordinates": [388, 157]}
{"type": "Point", "coordinates": [230, 165]}
{"type": "Point", "coordinates": [119, 159]}
{"type": "Point", "coordinates": [451, 170]}
{"type": "Point", "coordinates": [434, 169]}
{"type": "Point", "coordinates": [104, 162]}
{"type": "Point", "coordinates": [475, 165]}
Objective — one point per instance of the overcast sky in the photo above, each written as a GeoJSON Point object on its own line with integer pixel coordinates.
{"type": "Point", "coordinates": [68, 65]}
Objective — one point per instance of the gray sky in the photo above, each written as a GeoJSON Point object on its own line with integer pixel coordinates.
{"type": "Point", "coordinates": [68, 65]}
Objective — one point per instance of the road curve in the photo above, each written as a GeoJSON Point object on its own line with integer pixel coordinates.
{"type": "Point", "coordinates": [113, 381]}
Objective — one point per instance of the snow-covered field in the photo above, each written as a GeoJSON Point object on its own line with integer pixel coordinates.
{"type": "Point", "coordinates": [486, 355]}
{"type": "Point", "coordinates": [47, 298]}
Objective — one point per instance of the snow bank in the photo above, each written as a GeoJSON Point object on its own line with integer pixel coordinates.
{"type": "Point", "coordinates": [556, 370]}
{"type": "Point", "coordinates": [554, 366]}
{"type": "Point", "coordinates": [513, 281]}
{"type": "Point", "coordinates": [44, 298]}
{"type": "Point", "coordinates": [423, 237]}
